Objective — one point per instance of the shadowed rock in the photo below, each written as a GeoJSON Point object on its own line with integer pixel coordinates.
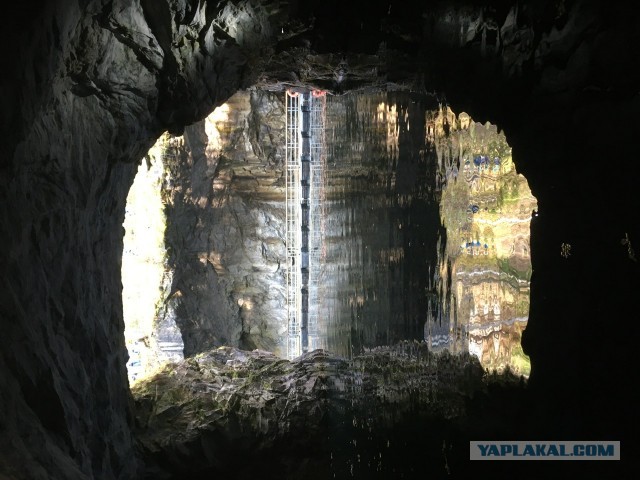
{"type": "Point", "coordinates": [199, 416]}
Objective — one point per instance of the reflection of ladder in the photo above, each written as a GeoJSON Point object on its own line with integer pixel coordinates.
{"type": "Point", "coordinates": [305, 191]}
{"type": "Point", "coordinates": [293, 216]}
{"type": "Point", "coordinates": [316, 231]}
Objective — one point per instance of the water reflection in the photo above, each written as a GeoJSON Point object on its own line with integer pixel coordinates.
{"type": "Point", "coordinates": [382, 221]}
{"type": "Point", "coordinates": [486, 208]}
{"type": "Point", "coordinates": [426, 231]}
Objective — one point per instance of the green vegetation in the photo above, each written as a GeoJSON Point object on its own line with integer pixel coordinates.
{"type": "Point", "coordinates": [498, 147]}
{"type": "Point", "coordinates": [453, 211]}
{"type": "Point", "coordinates": [505, 265]}
{"type": "Point", "coordinates": [520, 362]}
{"type": "Point", "coordinates": [467, 262]}
{"type": "Point", "coordinates": [522, 306]}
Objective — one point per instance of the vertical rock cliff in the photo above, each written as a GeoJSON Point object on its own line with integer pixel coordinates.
{"type": "Point", "coordinates": [225, 227]}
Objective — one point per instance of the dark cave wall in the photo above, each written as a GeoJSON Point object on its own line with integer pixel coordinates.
{"type": "Point", "coordinates": [91, 86]}
{"type": "Point", "coordinates": [91, 89]}
{"type": "Point", "coordinates": [567, 100]}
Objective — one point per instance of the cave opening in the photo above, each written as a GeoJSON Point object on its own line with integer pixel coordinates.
{"type": "Point", "coordinates": [421, 225]}
{"type": "Point", "coordinates": [419, 231]}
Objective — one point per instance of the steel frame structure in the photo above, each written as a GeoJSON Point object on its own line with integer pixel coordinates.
{"type": "Point", "coordinates": [305, 162]}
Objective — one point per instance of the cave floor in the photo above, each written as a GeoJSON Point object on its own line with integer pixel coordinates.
{"type": "Point", "coordinates": [399, 412]}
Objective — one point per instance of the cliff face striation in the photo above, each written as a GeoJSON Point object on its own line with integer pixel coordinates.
{"type": "Point", "coordinates": [487, 209]}
{"type": "Point", "coordinates": [225, 227]}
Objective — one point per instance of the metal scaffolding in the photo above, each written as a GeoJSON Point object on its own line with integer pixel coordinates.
{"type": "Point", "coordinates": [317, 204]}
{"type": "Point", "coordinates": [304, 197]}
{"type": "Point", "coordinates": [293, 216]}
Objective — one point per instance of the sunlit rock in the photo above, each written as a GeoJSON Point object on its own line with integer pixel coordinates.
{"type": "Point", "coordinates": [151, 334]}
{"type": "Point", "coordinates": [225, 226]}
{"type": "Point", "coordinates": [486, 207]}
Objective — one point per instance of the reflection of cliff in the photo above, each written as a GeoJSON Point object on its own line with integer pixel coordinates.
{"type": "Point", "coordinates": [381, 221]}
{"type": "Point", "coordinates": [486, 208]}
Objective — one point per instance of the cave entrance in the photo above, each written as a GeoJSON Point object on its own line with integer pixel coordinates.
{"type": "Point", "coordinates": [422, 232]}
